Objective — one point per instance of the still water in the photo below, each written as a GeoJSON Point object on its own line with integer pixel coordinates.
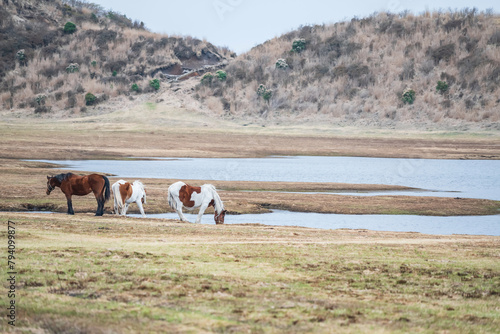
{"type": "Point", "coordinates": [476, 225]}
{"type": "Point", "coordinates": [450, 178]}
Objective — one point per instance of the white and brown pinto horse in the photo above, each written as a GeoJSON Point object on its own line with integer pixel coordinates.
{"type": "Point", "coordinates": [183, 195]}
{"type": "Point", "coordinates": [126, 193]}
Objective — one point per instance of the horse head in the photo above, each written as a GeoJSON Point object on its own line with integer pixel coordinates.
{"type": "Point", "coordinates": [219, 217]}
{"type": "Point", "coordinates": [50, 184]}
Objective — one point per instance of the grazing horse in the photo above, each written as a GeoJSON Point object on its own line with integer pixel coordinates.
{"type": "Point", "coordinates": [183, 195]}
{"type": "Point", "coordinates": [126, 193]}
{"type": "Point", "coordinates": [72, 184]}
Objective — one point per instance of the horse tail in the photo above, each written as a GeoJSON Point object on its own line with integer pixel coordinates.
{"type": "Point", "coordinates": [118, 196]}
{"type": "Point", "coordinates": [106, 188]}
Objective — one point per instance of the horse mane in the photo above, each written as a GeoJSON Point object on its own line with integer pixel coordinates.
{"type": "Point", "coordinates": [63, 176]}
{"type": "Point", "coordinates": [218, 205]}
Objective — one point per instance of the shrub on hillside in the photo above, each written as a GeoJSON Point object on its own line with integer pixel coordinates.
{"type": "Point", "coordinates": [21, 57]}
{"type": "Point", "coordinates": [299, 45]}
{"type": "Point", "coordinates": [69, 28]}
{"type": "Point", "coordinates": [442, 87]}
{"type": "Point", "coordinates": [427, 66]}
{"type": "Point", "coordinates": [135, 87]}
{"type": "Point", "coordinates": [40, 100]}
{"type": "Point", "coordinates": [221, 75]}
{"type": "Point", "coordinates": [281, 64]}
{"type": "Point", "coordinates": [408, 96]}
{"type": "Point", "coordinates": [90, 99]}
{"type": "Point", "coordinates": [72, 68]}
{"type": "Point", "coordinates": [408, 72]}
{"type": "Point", "coordinates": [115, 66]}
{"type": "Point", "coordinates": [207, 78]}
{"type": "Point", "coordinates": [264, 92]}
{"type": "Point", "coordinates": [155, 84]}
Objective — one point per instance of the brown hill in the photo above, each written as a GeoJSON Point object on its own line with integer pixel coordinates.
{"type": "Point", "coordinates": [67, 55]}
{"type": "Point", "coordinates": [357, 72]}
{"type": "Point", "coordinates": [437, 70]}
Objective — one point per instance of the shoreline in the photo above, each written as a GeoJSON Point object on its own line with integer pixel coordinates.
{"type": "Point", "coordinates": [21, 191]}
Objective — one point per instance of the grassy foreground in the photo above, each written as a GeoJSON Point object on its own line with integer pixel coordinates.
{"type": "Point", "coordinates": [87, 274]}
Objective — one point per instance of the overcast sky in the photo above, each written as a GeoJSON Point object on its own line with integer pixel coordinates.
{"type": "Point", "coordinates": [243, 24]}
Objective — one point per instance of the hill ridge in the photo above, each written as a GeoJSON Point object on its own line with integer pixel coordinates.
{"type": "Point", "coordinates": [356, 72]}
{"type": "Point", "coordinates": [48, 68]}
{"type": "Point", "coordinates": [447, 64]}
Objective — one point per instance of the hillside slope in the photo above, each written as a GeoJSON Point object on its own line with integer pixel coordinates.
{"type": "Point", "coordinates": [49, 65]}
{"type": "Point", "coordinates": [357, 72]}
{"type": "Point", "coordinates": [349, 73]}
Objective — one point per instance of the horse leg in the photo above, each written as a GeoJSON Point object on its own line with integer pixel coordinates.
{"type": "Point", "coordinates": [179, 211]}
{"type": "Point", "coordinates": [70, 205]}
{"type": "Point", "coordinates": [200, 214]}
{"type": "Point", "coordinates": [100, 207]}
{"type": "Point", "coordinates": [124, 209]}
{"type": "Point", "coordinates": [116, 208]}
{"type": "Point", "coordinates": [119, 208]}
{"type": "Point", "coordinates": [139, 204]}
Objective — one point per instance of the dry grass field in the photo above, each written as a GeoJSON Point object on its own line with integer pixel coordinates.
{"type": "Point", "coordinates": [341, 96]}
{"type": "Point", "coordinates": [87, 274]}
{"type": "Point", "coordinates": [123, 129]}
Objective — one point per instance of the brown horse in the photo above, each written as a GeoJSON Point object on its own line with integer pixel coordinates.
{"type": "Point", "coordinates": [72, 184]}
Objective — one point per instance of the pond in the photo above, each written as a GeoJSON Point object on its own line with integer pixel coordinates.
{"type": "Point", "coordinates": [450, 178]}
{"type": "Point", "coordinates": [476, 225]}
